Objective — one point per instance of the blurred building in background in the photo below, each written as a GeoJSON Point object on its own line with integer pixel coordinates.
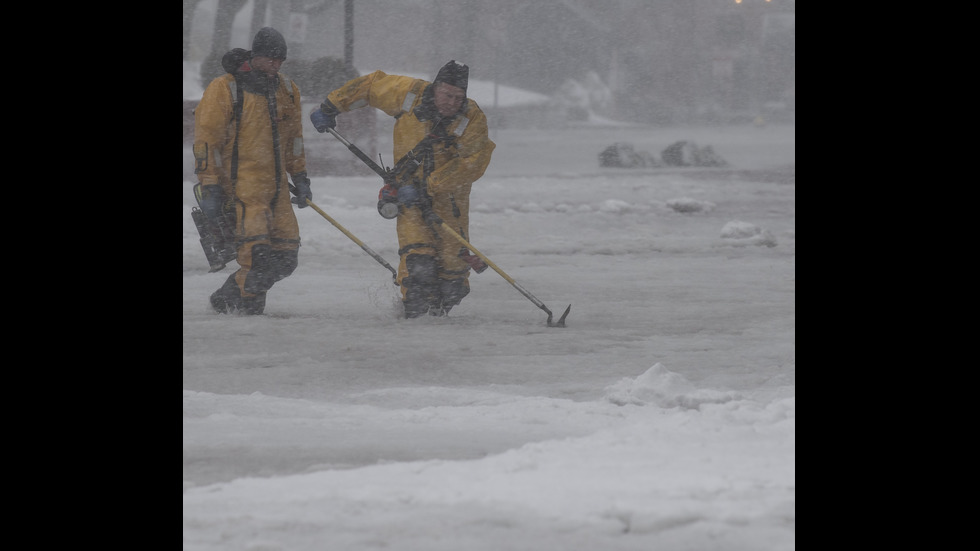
{"type": "Point", "coordinates": [663, 61]}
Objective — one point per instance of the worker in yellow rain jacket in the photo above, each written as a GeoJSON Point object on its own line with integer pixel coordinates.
{"type": "Point", "coordinates": [248, 135]}
{"type": "Point", "coordinates": [445, 133]}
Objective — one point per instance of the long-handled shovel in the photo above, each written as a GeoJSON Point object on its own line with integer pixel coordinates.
{"type": "Point", "coordinates": [374, 255]}
{"type": "Point", "coordinates": [561, 321]}
{"type": "Point", "coordinates": [435, 218]}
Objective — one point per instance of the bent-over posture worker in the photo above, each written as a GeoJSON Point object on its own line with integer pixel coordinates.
{"type": "Point", "coordinates": [446, 134]}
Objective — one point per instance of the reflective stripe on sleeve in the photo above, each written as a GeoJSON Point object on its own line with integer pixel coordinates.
{"type": "Point", "coordinates": [463, 121]}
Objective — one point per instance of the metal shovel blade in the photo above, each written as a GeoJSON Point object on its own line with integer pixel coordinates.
{"type": "Point", "coordinates": [561, 320]}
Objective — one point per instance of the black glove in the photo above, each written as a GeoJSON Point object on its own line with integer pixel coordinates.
{"type": "Point", "coordinates": [301, 190]}
{"type": "Point", "coordinates": [408, 195]}
{"type": "Point", "coordinates": [324, 117]}
{"type": "Point", "coordinates": [474, 261]}
{"type": "Point", "coordinates": [212, 201]}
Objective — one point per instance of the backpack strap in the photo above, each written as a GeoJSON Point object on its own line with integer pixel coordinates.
{"type": "Point", "coordinates": [239, 98]}
{"type": "Point", "coordinates": [232, 62]}
{"type": "Point", "coordinates": [270, 97]}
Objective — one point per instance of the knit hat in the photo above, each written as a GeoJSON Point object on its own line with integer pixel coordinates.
{"type": "Point", "coordinates": [455, 74]}
{"type": "Point", "coordinates": [268, 42]}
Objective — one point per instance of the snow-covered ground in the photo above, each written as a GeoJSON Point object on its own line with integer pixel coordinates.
{"type": "Point", "coordinates": [661, 417]}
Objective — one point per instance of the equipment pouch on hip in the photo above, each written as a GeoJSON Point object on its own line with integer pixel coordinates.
{"type": "Point", "coordinates": [217, 235]}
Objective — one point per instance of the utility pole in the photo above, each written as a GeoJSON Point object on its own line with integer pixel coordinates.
{"type": "Point", "coordinates": [258, 17]}
{"type": "Point", "coordinates": [349, 32]}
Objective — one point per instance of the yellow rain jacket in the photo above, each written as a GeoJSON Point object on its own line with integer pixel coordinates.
{"type": "Point", "coordinates": [264, 214]}
{"type": "Point", "coordinates": [458, 163]}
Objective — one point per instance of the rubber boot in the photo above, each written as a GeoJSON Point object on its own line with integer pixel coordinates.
{"type": "Point", "coordinates": [253, 306]}
{"type": "Point", "coordinates": [419, 300]}
{"type": "Point", "coordinates": [421, 286]}
{"type": "Point", "coordinates": [227, 299]}
{"type": "Point", "coordinates": [451, 293]}
{"type": "Point", "coordinates": [436, 308]}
